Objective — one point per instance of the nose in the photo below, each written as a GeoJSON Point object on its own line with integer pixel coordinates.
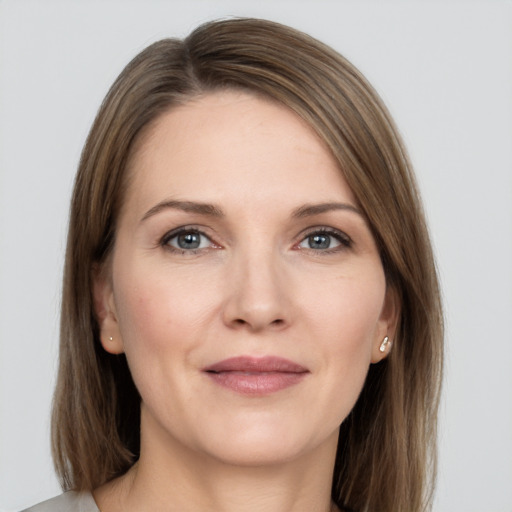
{"type": "Point", "coordinates": [257, 293]}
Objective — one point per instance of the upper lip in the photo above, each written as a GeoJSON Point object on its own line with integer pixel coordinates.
{"type": "Point", "coordinates": [252, 364]}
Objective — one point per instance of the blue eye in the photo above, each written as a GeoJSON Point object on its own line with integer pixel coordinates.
{"type": "Point", "coordinates": [325, 241]}
{"type": "Point", "coordinates": [187, 240]}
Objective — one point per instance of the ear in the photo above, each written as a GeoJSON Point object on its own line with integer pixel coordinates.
{"type": "Point", "coordinates": [105, 310]}
{"type": "Point", "coordinates": [387, 325]}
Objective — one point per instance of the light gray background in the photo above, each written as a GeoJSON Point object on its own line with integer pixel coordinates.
{"type": "Point", "coordinates": [445, 71]}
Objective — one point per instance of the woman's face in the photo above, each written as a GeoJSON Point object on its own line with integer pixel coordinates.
{"type": "Point", "coordinates": [245, 286]}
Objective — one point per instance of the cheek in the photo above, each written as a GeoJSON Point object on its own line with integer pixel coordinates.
{"type": "Point", "coordinates": [154, 336]}
{"type": "Point", "coordinates": [144, 330]}
{"type": "Point", "coordinates": [348, 311]}
{"type": "Point", "coordinates": [155, 309]}
{"type": "Point", "coordinates": [164, 317]}
{"type": "Point", "coordinates": [347, 322]}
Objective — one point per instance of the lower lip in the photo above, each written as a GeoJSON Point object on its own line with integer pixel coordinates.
{"type": "Point", "coordinates": [256, 383]}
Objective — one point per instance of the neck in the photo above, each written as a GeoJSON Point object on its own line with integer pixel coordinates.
{"type": "Point", "coordinates": [171, 477]}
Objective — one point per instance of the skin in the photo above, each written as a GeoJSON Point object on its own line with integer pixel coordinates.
{"type": "Point", "coordinates": [259, 284]}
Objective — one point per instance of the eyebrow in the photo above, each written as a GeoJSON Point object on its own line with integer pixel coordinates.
{"type": "Point", "coordinates": [309, 210]}
{"type": "Point", "coordinates": [185, 206]}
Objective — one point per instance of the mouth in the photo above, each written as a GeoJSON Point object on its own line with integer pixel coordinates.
{"type": "Point", "coordinates": [256, 375]}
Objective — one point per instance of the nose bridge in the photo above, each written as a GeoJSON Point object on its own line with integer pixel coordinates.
{"type": "Point", "coordinates": [257, 295]}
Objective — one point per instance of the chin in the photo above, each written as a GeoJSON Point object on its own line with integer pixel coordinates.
{"type": "Point", "coordinates": [267, 443]}
{"type": "Point", "coordinates": [258, 453]}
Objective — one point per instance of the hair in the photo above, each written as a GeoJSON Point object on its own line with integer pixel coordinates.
{"type": "Point", "coordinates": [386, 456]}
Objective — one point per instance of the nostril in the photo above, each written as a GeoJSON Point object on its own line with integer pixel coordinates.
{"type": "Point", "coordinates": [240, 322]}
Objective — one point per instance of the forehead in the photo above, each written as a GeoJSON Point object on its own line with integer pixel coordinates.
{"type": "Point", "coordinates": [233, 143]}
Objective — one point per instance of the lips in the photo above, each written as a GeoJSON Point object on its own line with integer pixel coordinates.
{"type": "Point", "coordinates": [256, 376]}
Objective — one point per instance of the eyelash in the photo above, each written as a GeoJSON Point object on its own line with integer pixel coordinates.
{"type": "Point", "coordinates": [344, 240]}
{"type": "Point", "coordinates": [185, 230]}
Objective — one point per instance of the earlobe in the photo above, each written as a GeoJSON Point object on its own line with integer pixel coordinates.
{"type": "Point", "coordinates": [386, 343]}
{"type": "Point", "coordinates": [105, 311]}
{"type": "Point", "coordinates": [381, 349]}
{"type": "Point", "coordinates": [388, 322]}
{"type": "Point", "coordinates": [112, 345]}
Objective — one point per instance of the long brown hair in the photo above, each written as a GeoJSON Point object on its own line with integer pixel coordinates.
{"type": "Point", "coordinates": [386, 453]}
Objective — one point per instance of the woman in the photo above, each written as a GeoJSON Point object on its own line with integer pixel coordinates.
{"type": "Point", "coordinates": [251, 315]}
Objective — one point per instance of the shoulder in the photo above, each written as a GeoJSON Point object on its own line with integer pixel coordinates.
{"type": "Point", "coordinates": [68, 502]}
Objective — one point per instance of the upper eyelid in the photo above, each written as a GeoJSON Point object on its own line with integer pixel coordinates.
{"type": "Point", "coordinates": [164, 240]}
{"type": "Point", "coordinates": [324, 229]}
{"type": "Point", "coordinates": [185, 229]}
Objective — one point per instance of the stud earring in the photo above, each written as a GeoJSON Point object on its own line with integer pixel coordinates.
{"type": "Point", "coordinates": [110, 338]}
{"type": "Point", "coordinates": [384, 345]}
